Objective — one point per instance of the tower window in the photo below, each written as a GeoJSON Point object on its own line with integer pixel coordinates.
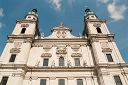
{"type": "Point", "coordinates": [79, 82]}
{"type": "Point", "coordinates": [117, 80]}
{"type": "Point", "coordinates": [23, 30]}
{"type": "Point", "coordinates": [45, 62]}
{"type": "Point", "coordinates": [61, 61]}
{"type": "Point", "coordinates": [4, 81]}
{"type": "Point", "coordinates": [77, 62]}
{"type": "Point", "coordinates": [61, 82]}
{"type": "Point", "coordinates": [43, 82]}
{"type": "Point", "coordinates": [29, 17]}
{"type": "Point", "coordinates": [109, 57]}
{"type": "Point", "coordinates": [12, 58]}
{"type": "Point", "coordinates": [98, 30]}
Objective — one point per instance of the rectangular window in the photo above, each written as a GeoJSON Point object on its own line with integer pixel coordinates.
{"type": "Point", "coordinates": [61, 82]}
{"type": "Point", "coordinates": [4, 81]}
{"type": "Point", "coordinates": [77, 62]}
{"type": "Point", "coordinates": [12, 58]}
{"type": "Point", "coordinates": [79, 82]}
{"type": "Point", "coordinates": [61, 61]}
{"type": "Point", "coordinates": [43, 82]}
{"type": "Point", "coordinates": [109, 57]}
{"type": "Point", "coordinates": [45, 63]}
{"type": "Point", "coordinates": [117, 80]}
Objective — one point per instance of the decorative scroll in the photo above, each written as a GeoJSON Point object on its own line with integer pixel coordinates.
{"type": "Point", "coordinates": [61, 34]}
{"type": "Point", "coordinates": [47, 47]}
{"type": "Point", "coordinates": [75, 47]}
{"type": "Point", "coordinates": [46, 55]}
{"type": "Point", "coordinates": [28, 40]}
{"type": "Point", "coordinates": [76, 55]}
{"type": "Point", "coordinates": [61, 50]}
{"type": "Point", "coordinates": [104, 45]}
{"type": "Point", "coordinates": [107, 50]}
{"type": "Point", "coordinates": [97, 24]}
{"type": "Point", "coordinates": [10, 40]}
{"type": "Point", "coordinates": [17, 44]}
{"type": "Point", "coordinates": [25, 25]}
{"type": "Point", "coordinates": [15, 50]}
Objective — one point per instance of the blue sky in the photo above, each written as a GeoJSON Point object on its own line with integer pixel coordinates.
{"type": "Point", "coordinates": [71, 13]}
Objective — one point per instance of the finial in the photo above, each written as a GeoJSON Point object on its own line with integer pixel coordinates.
{"type": "Point", "coordinates": [87, 9]}
{"type": "Point", "coordinates": [61, 23]}
{"type": "Point", "coordinates": [35, 9]}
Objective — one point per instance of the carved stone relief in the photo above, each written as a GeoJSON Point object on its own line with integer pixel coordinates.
{"type": "Point", "coordinates": [15, 50]}
{"type": "Point", "coordinates": [10, 40]}
{"type": "Point", "coordinates": [94, 40]}
{"type": "Point", "coordinates": [58, 34]}
{"type": "Point", "coordinates": [97, 24]}
{"type": "Point", "coordinates": [28, 40]}
{"type": "Point", "coordinates": [76, 55]}
{"type": "Point", "coordinates": [17, 44]}
{"type": "Point", "coordinates": [46, 55]}
{"type": "Point", "coordinates": [61, 50]}
{"type": "Point", "coordinates": [25, 25]}
{"type": "Point", "coordinates": [75, 47]}
{"type": "Point", "coordinates": [107, 50]}
{"type": "Point", "coordinates": [105, 47]}
{"type": "Point", "coordinates": [61, 34]}
{"type": "Point", "coordinates": [47, 47]}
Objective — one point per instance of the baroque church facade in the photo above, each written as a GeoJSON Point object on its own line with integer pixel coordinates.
{"type": "Point", "coordinates": [61, 58]}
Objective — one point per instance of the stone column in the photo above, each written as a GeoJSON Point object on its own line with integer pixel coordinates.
{"type": "Point", "coordinates": [99, 56]}
{"type": "Point", "coordinates": [16, 80]}
{"type": "Point", "coordinates": [52, 81]}
{"type": "Point", "coordinates": [105, 78]}
{"type": "Point", "coordinates": [71, 81]}
{"type": "Point", "coordinates": [89, 81]}
{"type": "Point", "coordinates": [24, 54]}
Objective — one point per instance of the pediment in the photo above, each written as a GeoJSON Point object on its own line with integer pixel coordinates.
{"type": "Point", "coordinates": [61, 32]}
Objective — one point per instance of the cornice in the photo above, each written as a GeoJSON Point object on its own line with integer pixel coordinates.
{"type": "Point", "coordinates": [62, 40]}
{"type": "Point", "coordinates": [97, 37]}
{"type": "Point", "coordinates": [95, 20]}
{"type": "Point", "coordinates": [27, 38]}
{"type": "Point", "coordinates": [26, 21]}
{"type": "Point", "coordinates": [60, 69]}
{"type": "Point", "coordinates": [111, 65]}
{"type": "Point", "coordinates": [9, 66]}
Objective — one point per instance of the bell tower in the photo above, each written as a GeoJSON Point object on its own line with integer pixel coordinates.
{"type": "Point", "coordinates": [19, 42]}
{"type": "Point", "coordinates": [103, 45]}
{"type": "Point", "coordinates": [28, 26]}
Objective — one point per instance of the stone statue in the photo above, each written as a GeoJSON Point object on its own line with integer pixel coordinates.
{"type": "Point", "coordinates": [53, 64]}
{"type": "Point", "coordinates": [37, 63]}
{"type": "Point", "coordinates": [69, 63]}
{"type": "Point", "coordinates": [84, 63]}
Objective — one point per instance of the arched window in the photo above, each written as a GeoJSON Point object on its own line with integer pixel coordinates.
{"type": "Point", "coordinates": [61, 61]}
{"type": "Point", "coordinates": [98, 30]}
{"type": "Point", "coordinates": [23, 30]}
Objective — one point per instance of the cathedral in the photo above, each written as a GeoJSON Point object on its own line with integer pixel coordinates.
{"type": "Point", "coordinates": [30, 58]}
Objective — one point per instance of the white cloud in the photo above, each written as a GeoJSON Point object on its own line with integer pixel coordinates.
{"type": "Point", "coordinates": [116, 11]}
{"type": "Point", "coordinates": [1, 25]}
{"type": "Point", "coordinates": [70, 1]}
{"type": "Point", "coordinates": [103, 1]}
{"type": "Point", "coordinates": [56, 4]}
{"type": "Point", "coordinates": [1, 12]}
